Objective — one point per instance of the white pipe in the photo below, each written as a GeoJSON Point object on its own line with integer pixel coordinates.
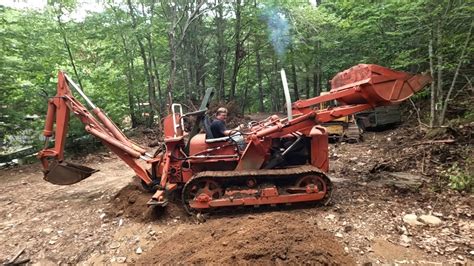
{"type": "Point", "coordinates": [287, 94]}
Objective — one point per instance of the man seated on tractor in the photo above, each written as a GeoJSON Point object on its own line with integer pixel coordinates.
{"type": "Point", "coordinates": [219, 129]}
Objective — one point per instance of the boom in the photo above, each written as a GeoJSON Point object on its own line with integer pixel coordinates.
{"type": "Point", "coordinates": [59, 172]}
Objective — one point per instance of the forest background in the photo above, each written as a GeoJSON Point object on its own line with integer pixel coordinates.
{"type": "Point", "coordinates": [132, 57]}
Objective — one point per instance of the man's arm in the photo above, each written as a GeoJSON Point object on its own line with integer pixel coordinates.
{"type": "Point", "coordinates": [219, 127]}
{"type": "Point", "coordinates": [229, 132]}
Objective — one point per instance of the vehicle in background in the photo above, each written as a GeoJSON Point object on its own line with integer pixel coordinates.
{"type": "Point", "coordinates": [341, 129]}
{"type": "Point", "coordinates": [379, 118]}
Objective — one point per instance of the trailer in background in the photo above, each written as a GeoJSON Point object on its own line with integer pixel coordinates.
{"type": "Point", "coordinates": [380, 117]}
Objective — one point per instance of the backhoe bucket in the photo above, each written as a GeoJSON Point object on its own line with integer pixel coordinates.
{"type": "Point", "coordinates": [64, 173]}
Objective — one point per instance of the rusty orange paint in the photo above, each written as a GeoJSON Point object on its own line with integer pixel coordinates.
{"type": "Point", "coordinates": [359, 88]}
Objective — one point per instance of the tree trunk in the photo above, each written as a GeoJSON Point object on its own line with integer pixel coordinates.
{"type": "Point", "coordinates": [439, 92]}
{"type": "Point", "coordinates": [274, 83]}
{"type": "Point", "coordinates": [188, 56]}
{"type": "Point", "coordinates": [196, 69]}
{"type": "Point", "coordinates": [202, 71]}
{"type": "Point", "coordinates": [293, 75]}
{"type": "Point", "coordinates": [244, 100]}
{"type": "Point", "coordinates": [189, 86]}
{"type": "Point", "coordinates": [238, 50]}
{"type": "Point", "coordinates": [170, 86]}
{"type": "Point", "coordinates": [158, 85]}
{"type": "Point", "coordinates": [317, 78]}
{"type": "Point", "coordinates": [307, 82]}
{"type": "Point", "coordinates": [146, 70]}
{"type": "Point", "coordinates": [195, 61]}
{"type": "Point", "coordinates": [174, 41]}
{"type": "Point", "coordinates": [451, 88]}
{"type": "Point", "coordinates": [220, 73]}
{"type": "Point", "coordinates": [433, 86]}
{"type": "Point", "coordinates": [130, 85]}
{"type": "Point", "coordinates": [68, 48]}
{"type": "Point", "coordinates": [154, 73]}
{"type": "Point", "coordinates": [152, 78]}
{"type": "Point", "coordinates": [261, 107]}
{"type": "Point", "coordinates": [317, 74]}
{"type": "Point", "coordinates": [271, 88]}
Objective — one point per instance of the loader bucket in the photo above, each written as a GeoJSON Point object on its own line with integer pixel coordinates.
{"type": "Point", "coordinates": [377, 84]}
{"type": "Point", "coordinates": [64, 173]}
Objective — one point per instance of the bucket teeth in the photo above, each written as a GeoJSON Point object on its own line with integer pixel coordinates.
{"type": "Point", "coordinates": [64, 173]}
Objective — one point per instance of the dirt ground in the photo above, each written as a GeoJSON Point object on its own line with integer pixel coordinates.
{"type": "Point", "coordinates": [104, 219]}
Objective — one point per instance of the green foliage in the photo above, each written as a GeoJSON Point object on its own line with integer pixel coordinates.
{"type": "Point", "coordinates": [469, 116]}
{"type": "Point", "coordinates": [461, 179]}
{"type": "Point", "coordinates": [106, 47]}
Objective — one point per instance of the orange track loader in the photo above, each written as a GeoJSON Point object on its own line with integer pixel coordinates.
{"type": "Point", "coordinates": [282, 160]}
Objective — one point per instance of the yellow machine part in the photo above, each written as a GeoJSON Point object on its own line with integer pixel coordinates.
{"type": "Point", "coordinates": [344, 119]}
{"type": "Point", "coordinates": [343, 127]}
{"type": "Point", "coordinates": [335, 130]}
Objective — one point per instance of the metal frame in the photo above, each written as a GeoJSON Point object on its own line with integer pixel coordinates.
{"type": "Point", "coordinates": [359, 88]}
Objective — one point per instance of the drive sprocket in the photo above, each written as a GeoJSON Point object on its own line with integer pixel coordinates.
{"type": "Point", "coordinates": [200, 187]}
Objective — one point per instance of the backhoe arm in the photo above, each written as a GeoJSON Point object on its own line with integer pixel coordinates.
{"type": "Point", "coordinates": [59, 172]}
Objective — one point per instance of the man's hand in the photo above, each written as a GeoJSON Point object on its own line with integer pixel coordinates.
{"type": "Point", "coordinates": [240, 127]}
{"type": "Point", "coordinates": [232, 131]}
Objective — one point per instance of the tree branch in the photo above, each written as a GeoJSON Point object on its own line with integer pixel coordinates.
{"type": "Point", "coordinates": [66, 43]}
{"type": "Point", "coordinates": [451, 88]}
{"type": "Point", "coordinates": [190, 19]}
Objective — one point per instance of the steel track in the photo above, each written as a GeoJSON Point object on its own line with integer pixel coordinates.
{"type": "Point", "coordinates": [263, 175]}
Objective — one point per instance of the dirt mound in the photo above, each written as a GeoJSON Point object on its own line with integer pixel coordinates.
{"type": "Point", "coordinates": [145, 136]}
{"type": "Point", "coordinates": [131, 202]}
{"type": "Point", "coordinates": [429, 151]}
{"type": "Point", "coordinates": [266, 238]}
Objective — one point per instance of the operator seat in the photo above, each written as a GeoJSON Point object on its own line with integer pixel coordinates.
{"type": "Point", "coordinates": [206, 121]}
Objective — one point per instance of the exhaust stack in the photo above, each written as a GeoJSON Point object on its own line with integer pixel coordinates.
{"type": "Point", "coordinates": [287, 94]}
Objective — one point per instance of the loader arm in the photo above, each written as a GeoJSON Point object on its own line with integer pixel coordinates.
{"type": "Point", "coordinates": [363, 87]}
{"type": "Point", "coordinates": [97, 124]}
{"type": "Point", "coordinates": [359, 88]}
